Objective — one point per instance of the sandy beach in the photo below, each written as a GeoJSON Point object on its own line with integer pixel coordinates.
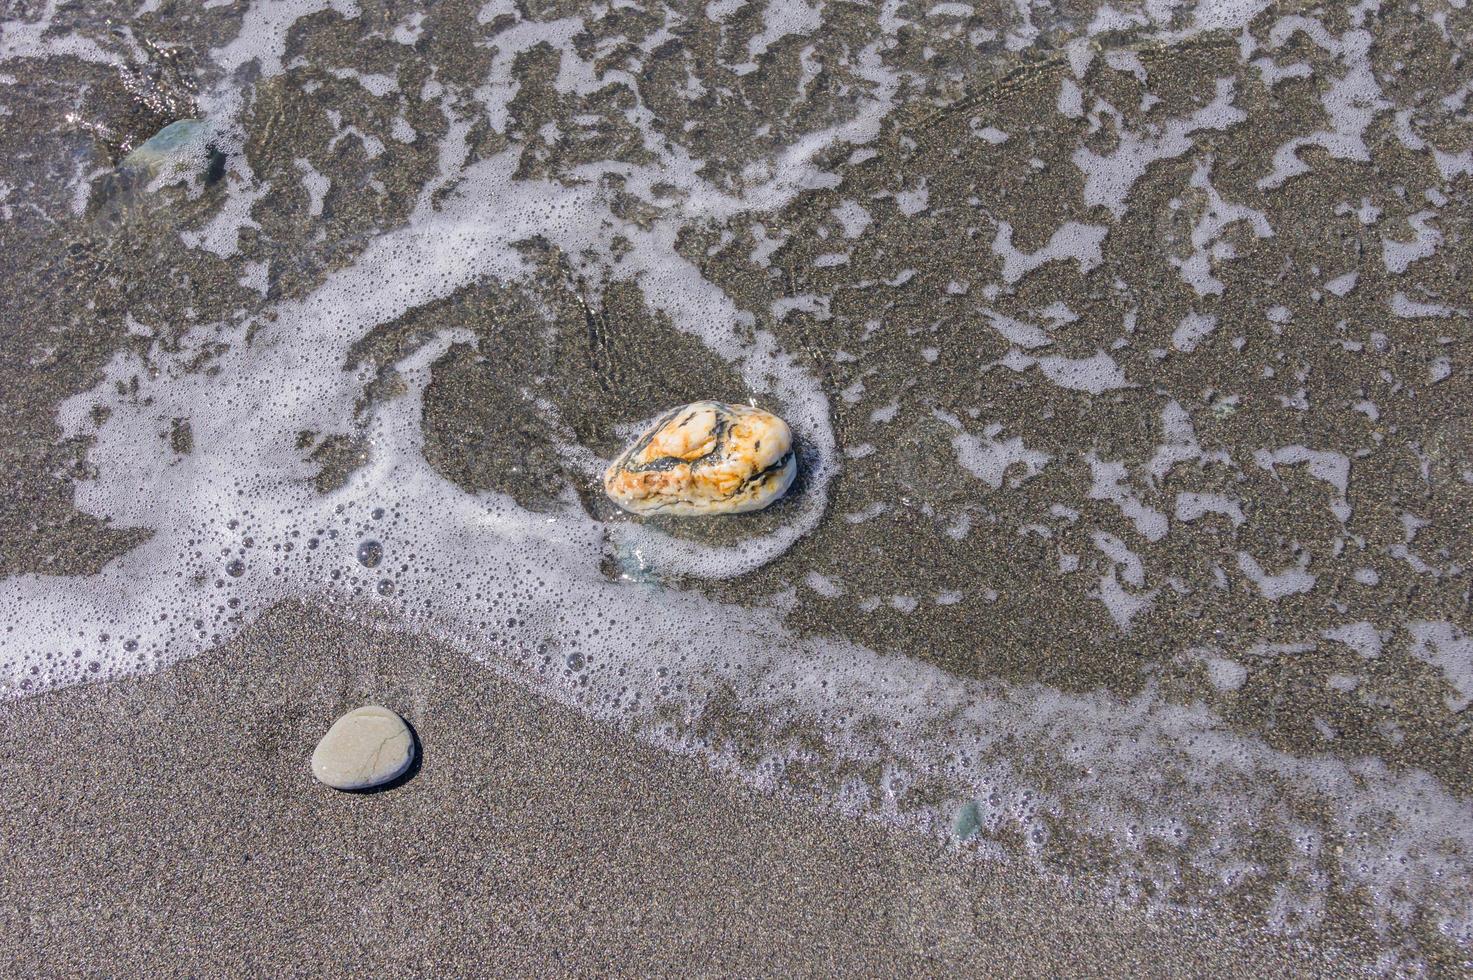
{"type": "Point", "coordinates": [169, 826]}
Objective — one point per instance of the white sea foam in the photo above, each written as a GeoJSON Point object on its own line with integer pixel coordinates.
{"type": "Point", "coordinates": [1208, 246]}
{"type": "Point", "coordinates": [1191, 506]}
{"type": "Point", "coordinates": [1110, 482]}
{"type": "Point", "coordinates": [1398, 256]}
{"type": "Point", "coordinates": [1331, 467]}
{"type": "Point", "coordinates": [1290, 581]}
{"type": "Point", "coordinates": [989, 458]}
{"type": "Point", "coordinates": [1071, 240]}
{"type": "Point", "coordinates": [1352, 100]}
{"type": "Point", "coordinates": [1109, 177]}
{"type": "Point", "coordinates": [1449, 649]}
{"type": "Point", "coordinates": [1095, 374]}
{"type": "Point", "coordinates": [1192, 330]}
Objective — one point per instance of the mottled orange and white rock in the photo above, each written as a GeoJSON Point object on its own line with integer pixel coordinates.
{"type": "Point", "coordinates": [705, 458]}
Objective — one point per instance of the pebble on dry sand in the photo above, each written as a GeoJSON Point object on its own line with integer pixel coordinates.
{"type": "Point", "coordinates": [366, 747]}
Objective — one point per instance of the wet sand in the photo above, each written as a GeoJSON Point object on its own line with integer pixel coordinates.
{"type": "Point", "coordinates": [168, 825]}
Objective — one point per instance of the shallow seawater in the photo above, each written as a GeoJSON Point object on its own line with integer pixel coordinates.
{"type": "Point", "coordinates": [1125, 349]}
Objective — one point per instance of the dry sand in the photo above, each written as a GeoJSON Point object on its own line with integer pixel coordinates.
{"type": "Point", "coordinates": [168, 825]}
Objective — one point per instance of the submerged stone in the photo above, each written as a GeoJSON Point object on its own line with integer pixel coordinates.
{"type": "Point", "coordinates": [366, 747]}
{"type": "Point", "coordinates": [702, 459]}
{"type": "Point", "coordinates": [967, 823]}
{"type": "Point", "coordinates": [147, 182]}
{"type": "Point", "coordinates": [179, 145]}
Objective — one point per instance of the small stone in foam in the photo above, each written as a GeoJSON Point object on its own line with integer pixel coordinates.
{"type": "Point", "coordinates": [702, 459]}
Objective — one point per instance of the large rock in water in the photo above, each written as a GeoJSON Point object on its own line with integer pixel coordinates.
{"type": "Point", "coordinates": [366, 747]}
{"type": "Point", "coordinates": [705, 458]}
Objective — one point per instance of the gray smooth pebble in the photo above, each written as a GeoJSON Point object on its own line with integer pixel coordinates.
{"type": "Point", "coordinates": [366, 747]}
